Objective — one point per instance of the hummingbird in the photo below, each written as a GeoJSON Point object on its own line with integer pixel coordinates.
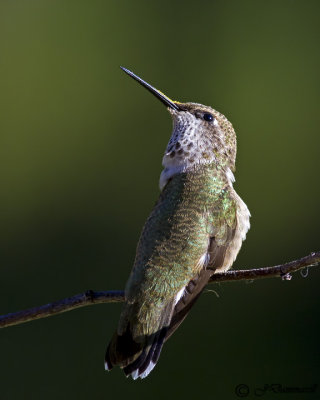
{"type": "Point", "coordinates": [195, 229]}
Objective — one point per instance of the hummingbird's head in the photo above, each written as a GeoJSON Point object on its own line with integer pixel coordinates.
{"type": "Point", "coordinates": [201, 135]}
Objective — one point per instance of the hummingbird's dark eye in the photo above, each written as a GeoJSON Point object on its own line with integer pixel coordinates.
{"type": "Point", "coordinates": [208, 117]}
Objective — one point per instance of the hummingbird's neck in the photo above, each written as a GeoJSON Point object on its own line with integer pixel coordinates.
{"type": "Point", "coordinates": [170, 171]}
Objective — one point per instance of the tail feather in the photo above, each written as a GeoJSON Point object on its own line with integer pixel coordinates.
{"type": "Point", "coordinates": [121, 352]}
{"type": "Point", "coordinates": [137, 356]}
{"type": "Point", "coordinates": [145, 363]}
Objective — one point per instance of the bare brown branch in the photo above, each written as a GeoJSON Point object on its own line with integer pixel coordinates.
{"type": "Point", "coordinates": [93, 297]}
{"type": "Point", "coordinates": [283, 271]}
{"type": "Point", "coordinates": [70, 303]}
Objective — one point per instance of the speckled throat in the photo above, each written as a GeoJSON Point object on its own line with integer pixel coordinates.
{"type": "Point", "coordinates": [192, 143]}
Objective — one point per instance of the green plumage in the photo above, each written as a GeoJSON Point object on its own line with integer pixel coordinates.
{"type": "Point", "coordinates": [192, 207]}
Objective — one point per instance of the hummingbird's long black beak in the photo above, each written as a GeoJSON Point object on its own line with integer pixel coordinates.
{"type": "Point", "coordinates": [163, 98]}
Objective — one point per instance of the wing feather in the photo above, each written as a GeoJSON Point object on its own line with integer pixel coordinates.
{"type": "Point", "coordinates": [217, 258]}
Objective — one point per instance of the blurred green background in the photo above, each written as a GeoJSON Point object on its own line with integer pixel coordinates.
{"type": "Point", "coordinates": [80, 157]}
